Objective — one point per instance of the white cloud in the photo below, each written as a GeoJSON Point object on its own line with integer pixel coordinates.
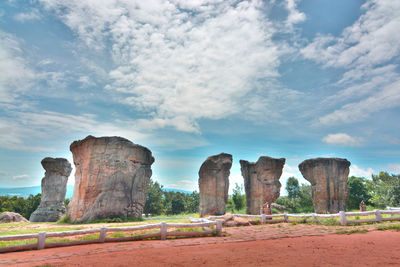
{"type": "Point", "coordinates": [22, 176]}
{"type": "Point", "coordinates": [386, 97]}
{"type": "Point", "coordinates": [369, 51]}
{"type": "Point", "coordinates": [32, 15]}
{"type": "Point", "coordinates": [295, 16]}
{"type": "Point", "coordinates": [359, 172]}
{"type": "Point", "coordinates": [16, 76]}
{"type": "Point", "coordinates": [182, 61]}
{"type": "Point", "coordinates": [23, 128]}
{"type": "Point", "coordinates": [370, 41]}
{"type": "Point", "coordinates": [184, 184]}
{"type": "Point", "coordinates": [342, 139]}
{"type": "Point", "coordinates": [395, 168]}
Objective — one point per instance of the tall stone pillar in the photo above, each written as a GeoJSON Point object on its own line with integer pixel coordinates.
{"type": "Point", "coordinates": [54, 187]}
{"type": "Point", "coordinates": [214, 184]}
{"type": "Point", "coordinates": [111, 178]}
{"type": "Point", "coordinates": [328, 178]}
{"type": "Point", "coordinates": [261, 182]}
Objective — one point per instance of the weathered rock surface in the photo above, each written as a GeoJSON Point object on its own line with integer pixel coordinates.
{"type": "Point", "coordinates": [7, 217]}
{"type": "Point", "coordinates": [261, 181]}
{"type": "Point", "coordinates": [214, 184]}
{"type": "Point", "coordinates": [54, 187]}
{"type": "Point", "coordinates": [111, 178]}
{"type": "Point", "coordinates": [280, 208]}
{"type": "Point", "coordinates": [328, 178]}
{"type": "Point", "coordinates": [231, 220]}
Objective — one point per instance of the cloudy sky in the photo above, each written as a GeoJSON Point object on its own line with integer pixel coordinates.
{"type": "Point", "coordinates": [192, 78]}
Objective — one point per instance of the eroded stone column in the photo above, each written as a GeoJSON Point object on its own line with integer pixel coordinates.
{"type": "Point", "coordinates": [111, 178]}
{"type": "Point", "coordinates": [54, 187]}
{"type": "Point", "coordinates": [328, 178]}
{"type": "Point", "coordinates": [214, 184]}
{"type": "Point", "coordinates": [261, 182]}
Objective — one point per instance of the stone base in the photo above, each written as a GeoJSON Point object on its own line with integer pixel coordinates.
{"type": "Point", "coordinates": [48, 213]}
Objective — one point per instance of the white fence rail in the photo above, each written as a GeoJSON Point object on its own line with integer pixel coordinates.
{"type": "Point", "coordinates": [163, 234]}
{"type": "Point", "coordinates": [285, 217]}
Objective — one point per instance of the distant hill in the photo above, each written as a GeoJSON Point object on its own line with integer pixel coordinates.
{"type": "Point", "coordinates": [33, 190]}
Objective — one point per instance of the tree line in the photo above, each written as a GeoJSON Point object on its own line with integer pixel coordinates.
{"type": "Point", "coordinates": [380, 191]}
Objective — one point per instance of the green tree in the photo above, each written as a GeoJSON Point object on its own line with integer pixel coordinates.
{"type": "Point", "coordinates": [305, 203]}
{"type": "Point", "coordinates": [32, 203]}
{"type": "Point", "coordinates": [155, 202]}
{"type": "Point", "coordinates": [177, 203]}
{"type": "Point", "coordinates": [385, 190]}
{"type": "Point", "coordinates": [358, 191]}
{"type": "Point", "coordinates": [300, 197]}
{"type": "Point", "coordinates": [192, 202]}
{"type": "Point", "coordinates": [293, 188]}
{"type": "Point", "coordinates": [238, 198]}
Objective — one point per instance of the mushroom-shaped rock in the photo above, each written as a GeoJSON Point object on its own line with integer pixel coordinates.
{"type": "Point", "coordinates": [328, 178]}
{"type": "Point", "coordinates": [54, 187]}
{"type": "Point", "coordinates": [214, 184]}
{"type": "Point", "coordinates": [261, 181]}
{"type": "Point", "coordinates": [111, 178]}
{"type": "Point", "coordinates": [7, 217]}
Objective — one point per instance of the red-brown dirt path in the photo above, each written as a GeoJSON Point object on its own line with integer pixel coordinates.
{"type": "Point", "coordinates": [245, 246]}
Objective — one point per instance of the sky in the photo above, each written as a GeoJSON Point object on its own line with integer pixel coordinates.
{"type": "Point", "coordinates": [294, 79]}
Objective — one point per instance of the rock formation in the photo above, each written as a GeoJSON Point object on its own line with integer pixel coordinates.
{"type": "Point", "coordinates": [54, 187]}
{"type": "Point", "coordinates": [214, 184]}
{"type": "Point", "coordinates": [231, 220]}
{"type": "Point", "coordinates": [261, 181]}
{"type": "Point", "coordinates": [328, 178]}
{"type": "Point", "coordinates": [7, 217]}
{"type": "Point", "coordinates": [111, 178]}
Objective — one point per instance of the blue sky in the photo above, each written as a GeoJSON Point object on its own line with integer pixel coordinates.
{"type": "Point", "coordinates": [188, 79]}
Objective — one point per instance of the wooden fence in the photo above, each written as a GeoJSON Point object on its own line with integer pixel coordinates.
{"type": "Point", "coordinates": [277, 218]}
{"type": "Point", "coordinates": [162, 234]}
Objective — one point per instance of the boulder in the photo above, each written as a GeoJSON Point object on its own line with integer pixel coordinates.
{"type": "Point", "coordinates": [54, 187]}
{"type": "Point", "coordinates": [7, 217]}
{"type": "Point", "coordinates": [111, 178]}
{"type": "Point", "coordinates": [231, 220]}
{"type": "Point", "coordinates": [214, 184]}
{"type": "Point", "coordinates": [280, 208]}
{"type": "Point", "coordinates": [261, 182]}
{"type": "Point", "coordinates": [328, 178]}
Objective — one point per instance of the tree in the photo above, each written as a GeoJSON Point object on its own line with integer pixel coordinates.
{"type": "Point", "coordinates": [358, 191]}
{"type": "Point", "coordinates": [299, 197]}
{"type": "Point", "coordinates": [192, 202]}
{"type": "Point", "coordinates": [155, 202]}
{"type": "Point", "coordinates": [32, 203]}
{"type": "Point", "coordinates": [239, 200]}
{"type": "Point", "coordinates": [177, 203]}
{"type": "Point", "coordinates": [293, 188]}
{"type": "Point", "coordinates": [305, 203]}
{"type": "Point", "coordinates": [385, 189]}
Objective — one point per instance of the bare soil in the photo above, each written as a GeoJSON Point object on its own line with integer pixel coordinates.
{"type": "Point", "coordinates": [262, 245]}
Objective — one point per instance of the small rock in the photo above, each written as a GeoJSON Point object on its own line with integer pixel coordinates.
{"type": "Point", "coordinates": [7, 217]}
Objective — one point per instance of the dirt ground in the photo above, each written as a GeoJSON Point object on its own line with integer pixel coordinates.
{"type": "Point", "coordinates": [261, 245]}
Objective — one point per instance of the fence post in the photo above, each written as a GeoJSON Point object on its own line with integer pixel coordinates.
{"type": "Point", "coordinates": [163, 230]}
{"type": "Point", "coordinates": [41, 240]}
{"type": "Point", "coordinates": [285, 217]}
{"type": "Point", "coordinates": [219, 227]}
{"type": "Point", "coordinates": [342, 215]}
{"type": "Point", "coordinates": [102, 237]}
{"type": "Point", "coordinates": [378, 215]}
{"type": "Point", "coordinates": [314, 217]}
{"type": "Point", "coordinates": [263, 218]}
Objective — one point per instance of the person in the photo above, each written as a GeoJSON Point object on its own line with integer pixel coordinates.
{"type": "Point", "coordinates": [363, 206]}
